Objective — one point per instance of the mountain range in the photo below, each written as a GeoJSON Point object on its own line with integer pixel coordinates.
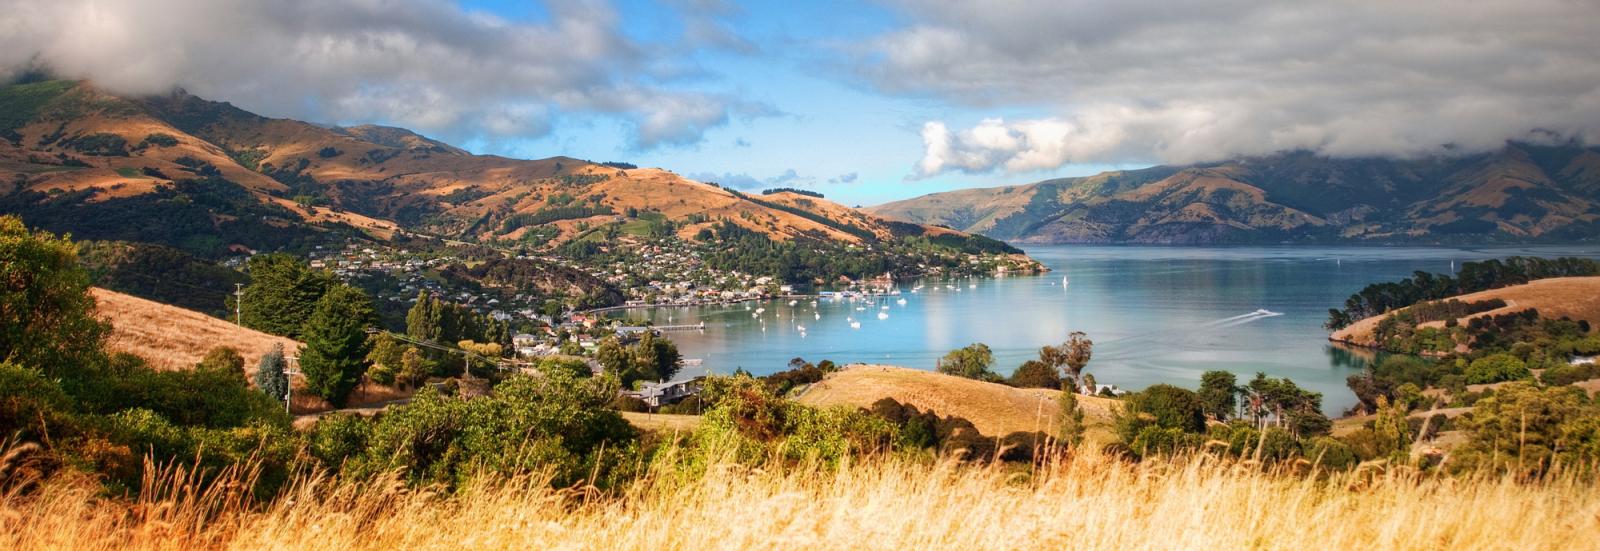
{"type": "Point", "coordinates": [209, 177]}
{"type": "Point", "coordinates": [1523, 192]}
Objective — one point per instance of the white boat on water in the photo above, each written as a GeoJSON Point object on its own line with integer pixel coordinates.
{"type": "Point", "coordinates": [883, 315]}
{"type": "Point", "coordinates": [761, 310]}
{"type": "Point", "coordinates": [901, 302]}
{"type": "Point", "coordinates": [793, 302]}
{"type": "Point", "coordinates": [815, 315]}
{"type": "Point", "coordinates": [855, 325]}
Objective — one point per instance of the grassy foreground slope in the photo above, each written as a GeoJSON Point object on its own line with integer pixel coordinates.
{"type": "Point", "coordinates": [1571, 297]}
{"type": "Point", "coordinates": [995, 409]}
{"type": "Point", "coordinates": [174, 338]}
{"type": "Point", "coordinates": [1087, 502]}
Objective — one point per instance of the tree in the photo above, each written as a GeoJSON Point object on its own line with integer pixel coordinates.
{"type": "Point", "coordinates": [335, 354]}
{"type": "Point", "coordinates": [484, 354]}
{"type": "Point", "coordinates": [1036, 374]}
{"type": "Point", "coordinates": [414, 368]}
{"type": "Point", "coordinates": [423, 320]}
{"type": "Point", "coordinates": [272, 378]}
{"type": "Point", "coordinates": [613, 357]}
{"type": "Point", "coordinates": [1526, 430]}
{"type": "Point", "coordinates": [971, 361]}
{"type": "Point", "coordinates": [653, 358]}
{"type": "Point", "coordinates": [1496, 368]}
{"type": "Point", "coordinates": [1071, 419]}
{"type": "Point", "coordinates": [282, 294]}
{"type": "Point", "coordinates": [1171, 407]}
{"type": "Point", "coordinates": [47, 318]}
{"type": "Point", "coordinates": [1218, 391]}
{"type": "Point", "coordinates": [1071, 356]}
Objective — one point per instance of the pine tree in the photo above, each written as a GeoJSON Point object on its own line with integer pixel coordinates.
{"type": "Point", "coordinates": [335, 354]}
{"type": "Point", "coordinates": [422, 322]}
{"type": "Point", "coordinates": [272, 378]}
{"type": "Point", "coordinates": [282, 294]}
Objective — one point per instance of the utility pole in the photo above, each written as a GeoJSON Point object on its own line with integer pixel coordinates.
{"type": "Point", "coordinates": [238, 304]}
{"type": "Point", "coordinates": [288, 386]}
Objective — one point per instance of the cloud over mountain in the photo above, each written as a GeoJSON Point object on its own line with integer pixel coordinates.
{"type": "Point", "coordinates": [1179, 82]}
{"type": "Point", "coordinates": [426, 64]}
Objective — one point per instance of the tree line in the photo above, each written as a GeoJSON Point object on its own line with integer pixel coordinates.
{"type": "Point", "coordinates": [1380, 298]}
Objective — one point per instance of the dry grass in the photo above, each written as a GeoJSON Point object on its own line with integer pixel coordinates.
{"type": "Point", "coordinates": [1573, 297]}
{"type": "Point", "coordinates": [662, 422]}
{"type": "Point", "coordinates": [1088, 501]}
{"type": "Point", "coordinates": [995, 409]}
{"type": "Point", "coordinates": [174, 338]}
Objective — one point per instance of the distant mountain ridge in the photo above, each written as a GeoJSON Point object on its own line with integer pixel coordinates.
{"type": "Point", "coordinates": [217, 177]}
{"type": "Point", "coordinates": [1523, 192]}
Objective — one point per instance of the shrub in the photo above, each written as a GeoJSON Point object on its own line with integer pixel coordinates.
{"type": "Point", "coordinates": [1170, 407]}
{"type": "Point", "coordinates": [1496, 368]}
{"type": "Point", "coordinates": [1036, 374]}
{"type": "Point", "coordinates": [1329, 452]}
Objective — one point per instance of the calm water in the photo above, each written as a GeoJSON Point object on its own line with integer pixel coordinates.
{"type": "Point", "coordinates": [1156, 314]}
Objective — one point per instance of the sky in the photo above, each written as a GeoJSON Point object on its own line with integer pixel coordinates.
{"type": "Point", "coordinates": [865, 102]}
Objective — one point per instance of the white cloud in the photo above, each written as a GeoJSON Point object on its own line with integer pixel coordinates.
{"type": "Point", "coordinates": [425, 64]}
{"type": "Point", "coordinates": [1179, 81]}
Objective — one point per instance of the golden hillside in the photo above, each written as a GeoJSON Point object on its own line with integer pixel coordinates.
{"type": "Point", "coordinates": [995, 409]}
{"type": "Point", "coordinates": [76, 143]}
{"type": "Point", "coordinates": [1572, 297]}
{"type": "Point", "coordinates": [174, 338]}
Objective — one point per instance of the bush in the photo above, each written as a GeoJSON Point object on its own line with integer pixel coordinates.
{"type": "Point", "coordinates": [1496, 368]}
{"type": "Point", "coordinates": [1330, 453]}
{"type": "Point", "coordinates": [629, 404]}
{"type": "Point", "coordinates": [1154, 439]}
{"type": "Point", "coordinates": [1036, 374]}
{"type": "Point", "coordinates": [1170, 407]}
{"type": "Point", "coordinates": [552, 423]}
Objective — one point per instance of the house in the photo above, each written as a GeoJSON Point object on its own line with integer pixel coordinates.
{"type": "Point", "coordinates": [1101, 390]}
{"type": "Point", "coordinates": [659, 394]}
{"type": "Point", "coordinates": [1583, 360]}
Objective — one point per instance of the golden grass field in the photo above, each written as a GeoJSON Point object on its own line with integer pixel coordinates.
{"type": "Point", "coordinates": [174, 338]}
{"type": "Point", "coordinates": [995, 409]}
{"type": "Point", "coordinates": [1084, 502]}
{"type": "Point", "coordinates": [1573, 297]}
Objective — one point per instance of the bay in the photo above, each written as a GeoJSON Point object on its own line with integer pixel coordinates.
{"type": "Point", "coordinates": [1156, 314]}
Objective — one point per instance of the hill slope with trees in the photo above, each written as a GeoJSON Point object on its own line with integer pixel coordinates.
{"type": "Point", "coordinates": [1523, 192]}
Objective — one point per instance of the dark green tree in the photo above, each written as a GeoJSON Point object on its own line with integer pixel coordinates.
{"type": "Point", "coordinates": [335, 354]}
{"type": "Point", "coordinates": [282, 294]}
{"type": "Point", "coordinates": [1218, 394]}
{"type": "Point", "coordinates": [1036, 374]}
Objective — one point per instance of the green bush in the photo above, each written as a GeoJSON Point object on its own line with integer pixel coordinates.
{"type": "Point", "coordinates": [1169, 407]}
{"type": "Point", "coordinates": [552, 423]}
{"type": "Point", "coordinates": [1496, 368]}
{"type": "Point", "coordinates": [1330, 453]}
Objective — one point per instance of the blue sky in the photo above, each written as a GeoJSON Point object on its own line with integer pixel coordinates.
{"type": "Point", "coordinates": [830, 132]}
{"type": "Point", "coordinates": [864, 101]}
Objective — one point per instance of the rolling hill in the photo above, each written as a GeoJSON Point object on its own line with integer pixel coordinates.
{"type": "Point", "coordinates": [1523, 192]}
{"type": "Point", "coordinates": [993, 408]}
{"type": "Point", "coordinates": [1577, 298]}
{"type": "Point", "coordinates": [174, 338]}
{"type": "Point", "coordinates": [219, 179]}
